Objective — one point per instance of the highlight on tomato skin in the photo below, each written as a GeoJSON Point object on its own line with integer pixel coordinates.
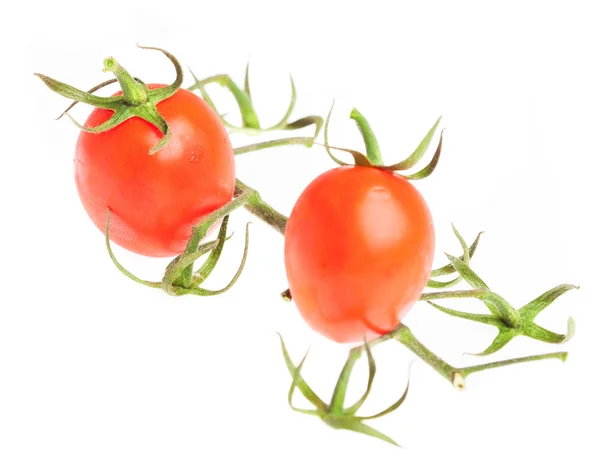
{"type": "Point", "coordinates": [155, 199]}
{"type": "Point", "coordinates": [359, 247]}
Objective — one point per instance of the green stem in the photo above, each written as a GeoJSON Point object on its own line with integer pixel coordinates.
{"type": "Point", "coordinates": [476, 293]}
{"type": "Point", "coordinates": [491, 365]}
{"type": "Point", "coordinates": [259, 208]}
{"type": "Point", "coordinates": [406, 337]}
{"type": "Point", "coordinates": [134, 93]}
{"type": "Point", "coordinates": [256, 205]}
{"type": "Point", "coordinates": [373, 151]}
{"type": "Point", "coordinates": [249, 116]}
{"type": "Point", "coordinates": [308, 142]}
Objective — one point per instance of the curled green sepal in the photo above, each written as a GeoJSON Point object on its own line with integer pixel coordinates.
{"type": "Point", "coordinates": [249, 116]}
{"type": "Point", "coordinates": [199, 291]}
{"type": "Point", "coordinates": [419, 152]}
{"type": "Point", "coordinates": [430, 167]}
{"type": "Point", "coordinates": [509, 321]}
{"type": "Point", "coordinates": [335, 414]}
{"type": "Point", "coordinates": [113, 258]}
{"type": "Point", "coordinates": [215, 254]}
{"type": "Point", "coordinates": [137, 99]}
{"type": "Point", "coordinates": [373, 156]}
{"type": "Point", "coordinates": [448, 269]}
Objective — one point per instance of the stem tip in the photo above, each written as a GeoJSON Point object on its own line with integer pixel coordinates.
{"type": "Point", "coordinates": [458, 381]}
{"type": "Point", "coordinates": [286, 296]}
{"type": "Point", "coordinates": [110, 64]}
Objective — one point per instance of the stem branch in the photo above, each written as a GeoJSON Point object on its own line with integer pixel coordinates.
{"type": "Point", "coordinates": [406, 337]}
{"type": "Point", "coordinates": [259, 208]}
{"type": "Point", "coordinates": [457, 375]}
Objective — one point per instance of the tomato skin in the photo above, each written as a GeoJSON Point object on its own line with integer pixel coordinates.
{"type": "Point", "coordinates": [359, 247]}
{"type": "Point", "coordinates": [155, 199]}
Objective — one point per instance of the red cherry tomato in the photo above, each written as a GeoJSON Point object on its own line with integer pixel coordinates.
{"type": "Point", "coordinates": [358, 252]}
{"type": "Point", "coordinates": [155, 199]}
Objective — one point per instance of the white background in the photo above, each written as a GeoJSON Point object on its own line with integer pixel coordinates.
{"type": "Point", "coordinates": [97, 370]}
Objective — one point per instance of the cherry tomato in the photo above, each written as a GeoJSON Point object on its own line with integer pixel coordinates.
{"type": "Point", "coordinates": [155, 199]}
{"type": "Point", "coordinates": [359, 247]}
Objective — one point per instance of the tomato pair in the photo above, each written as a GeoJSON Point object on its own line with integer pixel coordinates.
{"type": "Point", "coordinates": [358, 245]}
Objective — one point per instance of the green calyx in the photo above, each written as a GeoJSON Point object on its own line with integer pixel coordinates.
{"type": "Point", "coordinates": [373, 157]}
{"type": "Point", "coordinates": [249, 116]}
{"type": "Point", "coordinates": [334, 413]}
{"type": "Point", "coordinates": [510, 321]}
{"type": "Point", "coordinates": [137, 99]}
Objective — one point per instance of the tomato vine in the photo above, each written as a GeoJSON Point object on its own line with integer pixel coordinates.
{"type": "Point", "coordinates": [180, 278]}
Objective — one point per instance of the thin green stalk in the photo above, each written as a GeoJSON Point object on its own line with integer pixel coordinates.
{"type": "Point", "coordinates": [562, 355]}
{"type": "Point", "coordinates": [308, 142]}
{"type": "Point", "coordinates": [134, 93]}
{"type": "Point", "coordinates": [255, 204]}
